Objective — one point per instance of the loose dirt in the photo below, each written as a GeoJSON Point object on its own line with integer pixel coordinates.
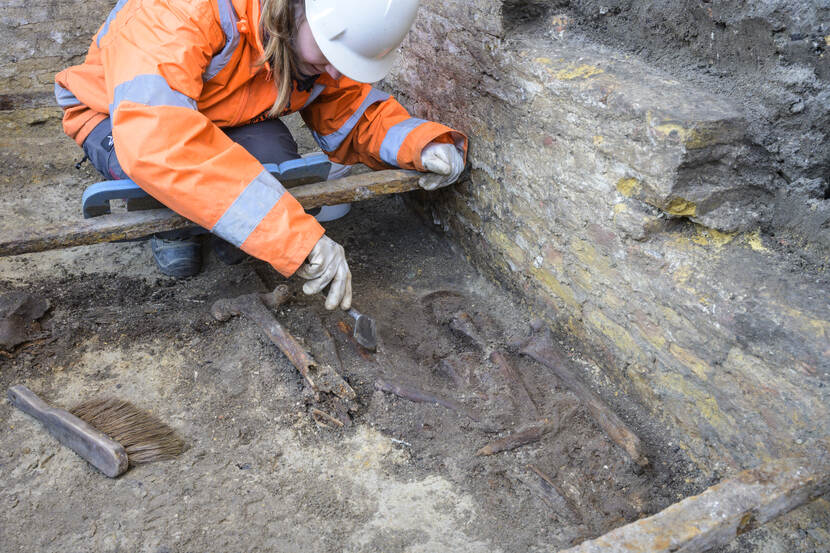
{"type": "Point", "coordinates": [259, 473]}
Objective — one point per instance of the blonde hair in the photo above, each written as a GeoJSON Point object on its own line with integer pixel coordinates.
{"type": "Point", "coordinates": [279, 25]}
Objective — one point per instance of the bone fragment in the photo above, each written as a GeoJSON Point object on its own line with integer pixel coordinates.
{"type": "Point", "coordinates": [323, 418]}
{"type": "Point", "coordinates": [462, 323]}
{"type": "Point", "coordinates": [320, 378]}
{"type": "Point", "coordinates": [528, 435]}
{"type": "Point", "coordinates": [540, 347]}
{"type": "Point", "coordinates": [553, 496]}
{"type": "Point", "coordinates": [514, 377]}
{"type": "Point", "coordinates": [411, 393]}
{"type": "Point", "coordinates": [252, 306]}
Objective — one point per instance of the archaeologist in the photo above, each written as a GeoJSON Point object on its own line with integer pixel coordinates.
{"type": "Point", "coordinates": [184, 97]}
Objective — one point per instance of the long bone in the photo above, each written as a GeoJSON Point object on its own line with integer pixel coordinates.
{"type": "Point", "coordinates": [255, 307]}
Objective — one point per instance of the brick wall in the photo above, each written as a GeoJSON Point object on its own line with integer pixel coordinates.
{"type": "Point", "coordinates": [634, 209]}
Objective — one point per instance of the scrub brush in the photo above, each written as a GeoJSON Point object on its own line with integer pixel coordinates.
{"type": "Point", "coordinates": [110, 434]}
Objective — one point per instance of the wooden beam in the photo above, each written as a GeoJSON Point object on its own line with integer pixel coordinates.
{"type": "Point", "coordinates": [137, 224]}
{"type": "Point", "coordinates": [715, 517]}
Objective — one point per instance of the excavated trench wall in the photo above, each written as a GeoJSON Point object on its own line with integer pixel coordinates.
{"type": "Point", "coordinates": [652, 176]}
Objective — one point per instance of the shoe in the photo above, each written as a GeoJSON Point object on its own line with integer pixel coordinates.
{"type": "Point", "coordinates": [226, 252]}
{"type": "Point", "coordinates": [177, 258]}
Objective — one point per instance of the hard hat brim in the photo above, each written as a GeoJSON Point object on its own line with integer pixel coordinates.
{"type": "Point", "coordinates": [352, 65]}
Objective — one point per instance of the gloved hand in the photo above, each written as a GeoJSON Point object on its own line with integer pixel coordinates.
{"type": "Point", "coordinates": [327, 263]}
{"type": "Point", "coordinates": [445, 164]}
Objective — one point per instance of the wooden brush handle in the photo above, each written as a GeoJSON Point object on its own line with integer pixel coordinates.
{"type": "Point", "coordinates": [97, 448]}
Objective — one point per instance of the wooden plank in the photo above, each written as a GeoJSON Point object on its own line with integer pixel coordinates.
{"type": "Point", "coordinates": [137, 224]}
{"type": "Point", "coordinates": [715, 517]}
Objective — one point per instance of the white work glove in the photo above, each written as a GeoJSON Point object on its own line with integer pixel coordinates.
{"type": "Point", "coordinates": [327, 264]}
{"type": "Point", "coordinates": [445, 164]}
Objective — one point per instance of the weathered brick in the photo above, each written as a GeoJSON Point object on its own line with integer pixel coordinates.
{"type": "Point", "coordinates": [588, 166]}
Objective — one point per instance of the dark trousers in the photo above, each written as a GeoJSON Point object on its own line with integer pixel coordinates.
{"type": "Point", "coordinates": [268, 141]}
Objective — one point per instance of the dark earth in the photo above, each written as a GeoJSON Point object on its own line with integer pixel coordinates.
{"type": "Point", "coordinates": [259, 472]}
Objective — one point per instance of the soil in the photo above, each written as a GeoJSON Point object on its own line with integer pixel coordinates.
{"type": "Point", "coordinates": [259, 472]}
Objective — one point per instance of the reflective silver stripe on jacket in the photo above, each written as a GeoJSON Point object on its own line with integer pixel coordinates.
{"type": "Point", "coordinates": [249, 209]}
{"type": "Point", "coordinates": [331, 142]}
{"type": "Point", "coordinates": [395, 137]}
{"type": "Point", "coordinates": [65, 98]}
{"type": "Point", "coordinates": [110, 17]}
{"type": "Point", "coordinates": [228, 20]}
{"type": "Point", "coordinates": [150, 90]}
{"type": "Point", "coordinates": [316, 90]}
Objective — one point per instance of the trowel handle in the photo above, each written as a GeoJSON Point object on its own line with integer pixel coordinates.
{"type": "Point", "coordinates": [95, 447]}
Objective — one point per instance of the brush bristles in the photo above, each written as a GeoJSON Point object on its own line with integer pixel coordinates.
{"type": "Point", "coordinates": [144, 437]}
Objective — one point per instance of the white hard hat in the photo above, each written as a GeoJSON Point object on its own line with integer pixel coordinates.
{"type": "Point", "coordinates": [360, 38]}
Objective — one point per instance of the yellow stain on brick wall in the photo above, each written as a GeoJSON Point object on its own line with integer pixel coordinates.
{"type": "Point", "coordinates": [682, 274]}
{"type": "Point", "coordinates": [819, 328]}
{"type": "Point", "coordinates": [629, 187]}
{"type": "Point", "coordinates": [683, 243]}
{"type": "Point", "coordinates": [652, 337]}
{"type": "Point", "coordinates": [598, 140]}
{"type": "Point", "coordinates": [754, 241]}
{"type": "Point", "coordinates": [595, 260]}
{"type": "Point", "coordinates": [672, 316]}
{"type": "Point", "coordinates": [505, 245]}
{"type": "Point", "coordinates": [721, 239]}
{"type": "Point", "coordinates": [703, 401]}
{"type": "Point", "coordinates": [545, 61]}
{"type": "Point", "coordinates": [619, 208]}
{"type": "Point", "coordinates": [706, 236]}
{"type": "Point", "coordinates": [692, 139]}
{"type": "Point", "coordinates": [550, 283]}
{"type": "Point", "coordinates": [690, 360]}
{"type": "Point", "coordinates": [584, 251]}
{"type": "Point", "coordinates": [701, 238]}
{"type": "Point", "coordinates": [681, 208]}
{"type": "Point", "coordinates": [612, 300]}
{"type": "Point", "coordinates": [617, 334]}
{"type": "Point", "coordinates": [574, 71]}
{"type": "Point", "coordinates": [575, 327]}
{"type": "Point", "coordinates": [583, 279]}
{"type": "Point", "coordinates": [827, 40]}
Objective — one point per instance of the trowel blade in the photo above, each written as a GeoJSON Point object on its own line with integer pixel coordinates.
{"type": "Point", "coordinates": [365, 332]}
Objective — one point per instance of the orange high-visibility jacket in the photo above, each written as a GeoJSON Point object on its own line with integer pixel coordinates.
{"type": "Point", "coordinates": [171, 73]}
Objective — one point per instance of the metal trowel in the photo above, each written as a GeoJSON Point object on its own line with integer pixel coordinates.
{"type": "Point", "coordinates": [365, 331]}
